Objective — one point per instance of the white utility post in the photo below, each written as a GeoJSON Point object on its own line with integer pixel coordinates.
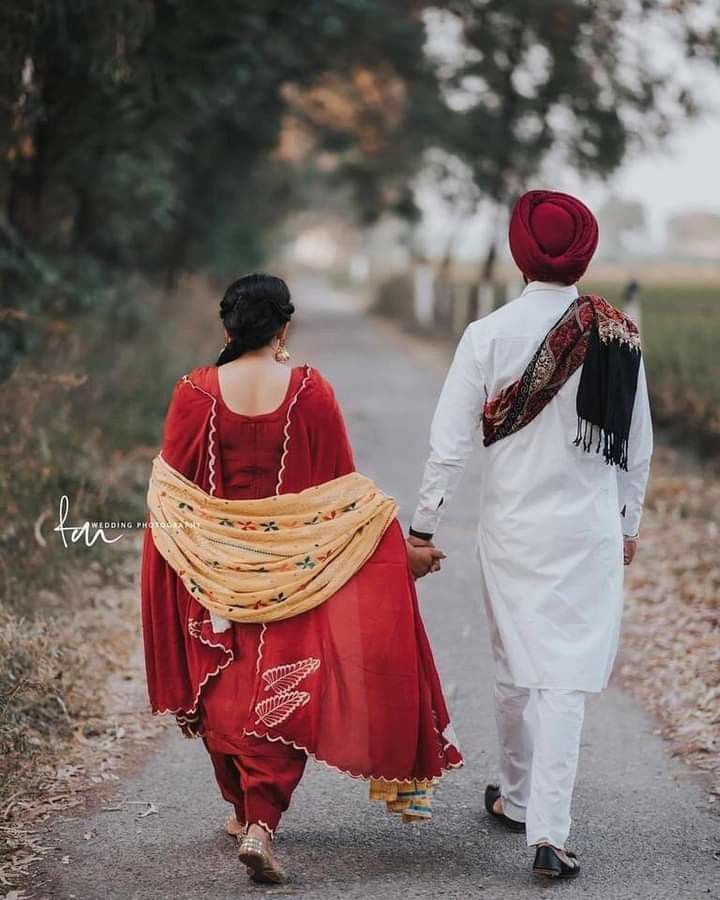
{"type": "Point", "coordinates": [424, 294]}
{"type": "Point", "coordinates": [486, 299]}
{"type": "Point", "coordinates": [461, 308]}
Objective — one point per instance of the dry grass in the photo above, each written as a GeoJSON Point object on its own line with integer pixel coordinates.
{"type": "Point", "coordinates": [82, 418]}
{"type": "Point", "coordinates": [73, 704]}
{"type": "Point", "coordinates": [670, 656]}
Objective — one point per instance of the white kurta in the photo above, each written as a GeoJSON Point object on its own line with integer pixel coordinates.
{"type": "Point", "coordinates": [551, 516]}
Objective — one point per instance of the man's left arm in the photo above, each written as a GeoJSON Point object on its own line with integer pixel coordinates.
{"type": "Point", "coordinates": [456, 420]}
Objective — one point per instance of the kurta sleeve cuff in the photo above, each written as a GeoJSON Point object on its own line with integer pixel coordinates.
{"type": "Point", "coordinates": [631, 522]}
{"type": "Point", "coordinates": [425, 522]}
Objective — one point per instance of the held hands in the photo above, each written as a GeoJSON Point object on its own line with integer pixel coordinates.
{"type": "Point", "coordinates": [424, 557]}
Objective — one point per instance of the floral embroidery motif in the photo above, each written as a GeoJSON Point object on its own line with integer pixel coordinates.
{"type": "Point", "coordinates": [270, 526]}
{"type": "Point", "coordinates": [282, 681]}
{"type": "Point", "coordinates": [307, 563]}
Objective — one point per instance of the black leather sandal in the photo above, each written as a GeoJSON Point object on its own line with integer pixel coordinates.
{"type": "Point", "coordinates": [548, 863]}
{"type": "Point", "coordinates": [492, 793]}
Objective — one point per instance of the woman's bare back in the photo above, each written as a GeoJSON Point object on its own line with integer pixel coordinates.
{"type": "Point", "coordinates": [253, 385]}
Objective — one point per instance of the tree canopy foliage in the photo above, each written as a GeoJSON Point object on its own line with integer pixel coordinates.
{"type": "Point", "coordinates": [579, 79]}
{"type": "Point", "coordinates": [144, 137]}
{"type": "Point", "coordinates": [161, 136]}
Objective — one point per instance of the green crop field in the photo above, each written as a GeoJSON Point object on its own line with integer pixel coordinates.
{"type": "Point", "coordinates": [680, 324]}
{"type": "Point", "coordinates": [681, 343]}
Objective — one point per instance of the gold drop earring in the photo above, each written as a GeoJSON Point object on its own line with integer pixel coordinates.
{"type": "Point", "coordinates": [282, 354]}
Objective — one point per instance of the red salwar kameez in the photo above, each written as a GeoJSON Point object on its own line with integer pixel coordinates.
{"type": "Point", "coordinates": [351, 683]}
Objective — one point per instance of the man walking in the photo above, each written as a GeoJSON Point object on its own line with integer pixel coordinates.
{"type": "Point", "coordinates": [554, 382]}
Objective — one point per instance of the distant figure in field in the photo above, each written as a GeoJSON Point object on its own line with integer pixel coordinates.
{"type": "Point", "coordinates": [631, 300]}
{"type": "Point", "coordinates": [630, 291]}
{"type": "Point", "coordinates": [555, 382]}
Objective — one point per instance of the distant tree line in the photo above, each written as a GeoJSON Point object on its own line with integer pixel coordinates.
{"type": "Point", "coordinates": [153, 137]}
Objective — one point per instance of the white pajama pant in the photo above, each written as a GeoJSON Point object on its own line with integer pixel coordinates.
{"type": "Point", "coordinates": [539, 732]}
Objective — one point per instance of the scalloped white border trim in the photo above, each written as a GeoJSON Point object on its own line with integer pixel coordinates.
{"type": "Point", "coordinates": [317, 759]}
{"type": "Point", "coordinates": [211, 434]}
{"type": "Point", "coordinates": [261, 647]}
{"type": "Point", "coordinates": [261, 824]}
{"type": "Point", "coordinates": [286, 429]}
{"type": "Point", "coordinates": [219, 623]}
{"type": "Point", "coordinates": [193, 709]}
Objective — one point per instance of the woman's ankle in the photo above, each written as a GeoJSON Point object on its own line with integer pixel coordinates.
{"type": "Point", "coordinates": [259, 832]}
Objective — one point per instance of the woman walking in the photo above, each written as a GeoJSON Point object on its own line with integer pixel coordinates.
{"type": "Point", "coordinates": [280, 617]}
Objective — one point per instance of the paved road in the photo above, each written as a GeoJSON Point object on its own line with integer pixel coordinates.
{"type": "Point", "coordinates": [643, 829]}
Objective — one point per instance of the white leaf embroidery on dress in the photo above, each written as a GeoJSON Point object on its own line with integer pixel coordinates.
{"type": "Point", "coordinates": [273, 711]}
{"type": "Point", "coordinates": [286, 678]}
{"type": "Point", "coordinates": [282, 681]}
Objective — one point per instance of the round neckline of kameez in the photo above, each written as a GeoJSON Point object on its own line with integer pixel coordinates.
{"type": "Point", "coordinates": [274, 413]}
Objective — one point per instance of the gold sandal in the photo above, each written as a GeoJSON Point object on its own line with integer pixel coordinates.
{"type": "Point", "coordinates": [260, 864]}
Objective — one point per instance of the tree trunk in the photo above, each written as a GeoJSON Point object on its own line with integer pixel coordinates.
{"type": "Point", "coordinates": [484, 288]}
{"type": "Point", "coordinates": [27, 182]}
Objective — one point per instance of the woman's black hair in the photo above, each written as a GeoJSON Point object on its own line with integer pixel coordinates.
{"type": "Point", "coordinates": [253, 310]}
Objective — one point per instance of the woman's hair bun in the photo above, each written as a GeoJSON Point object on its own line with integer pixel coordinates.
{"type": "Point", "coordinates": [253, 309]}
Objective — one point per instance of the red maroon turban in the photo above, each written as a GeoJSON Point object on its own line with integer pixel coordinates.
{"type": "Point", "coordinates": [552, 236]}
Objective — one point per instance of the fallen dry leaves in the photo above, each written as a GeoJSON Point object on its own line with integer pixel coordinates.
{"type": "Point", "coordinates": [58, 774]}
{"type": "Point", "coordinates": [670, 654]}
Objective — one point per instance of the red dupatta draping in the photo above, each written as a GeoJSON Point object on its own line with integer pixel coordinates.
{"type": "Point", "coordinates": [352, 682]}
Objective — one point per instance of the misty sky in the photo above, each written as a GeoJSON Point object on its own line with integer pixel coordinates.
{"type": "Point", "coordinates": [681, 175]}
{"type": "Point", "coordinates": [685, 176]}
